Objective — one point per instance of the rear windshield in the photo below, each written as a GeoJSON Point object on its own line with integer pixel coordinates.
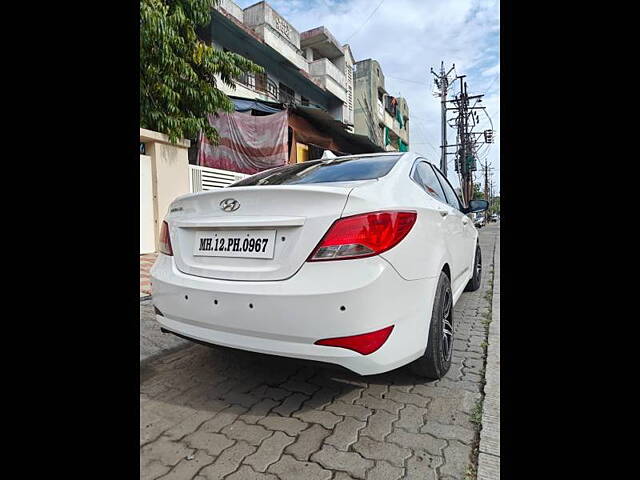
{"type": "Point", "coordinates": [319, 171]}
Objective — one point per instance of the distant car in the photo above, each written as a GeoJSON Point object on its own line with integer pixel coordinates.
{"type": "Point", "coordinates": [356, 261]}
{"type": "Point", "coordinates": [494, 217]}
{"type": "Point", "coordinates": [480, 221]}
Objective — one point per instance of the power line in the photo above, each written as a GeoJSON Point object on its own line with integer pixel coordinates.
{"type": "Point", "coordinates": [492, 82]}
{"type": "Point", "coordinates": [405, 80]}
{"type": "Point", "coordinates": [365, 22]}
{"type": "Point", "coordinates": [423, 130]}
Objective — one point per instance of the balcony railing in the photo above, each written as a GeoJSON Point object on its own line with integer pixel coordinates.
{"type": "Point", "coordinates": [259, 82]}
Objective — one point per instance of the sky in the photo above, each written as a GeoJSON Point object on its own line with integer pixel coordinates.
{"type": "Point", "coordinates": [408, 38]}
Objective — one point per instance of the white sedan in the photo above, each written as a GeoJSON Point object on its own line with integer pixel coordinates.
{"type": "Point", "coordinates": [356, 261]}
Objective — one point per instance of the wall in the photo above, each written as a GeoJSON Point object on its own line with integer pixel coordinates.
{"type": "Point", "coordinates": [348, 73]}
{"type": "Point", "coordinates": [169, 172]}
{"type": "Point", "coordinates": [233, 9]}
{"type": "Point", "coordinates": [366, 82]}
{"type": "Point", "coordinates": [276, 32]}
{"type": "Point", "coordinates": [147, 216]}
{"type": "Point", "coordinates": [235, 40]}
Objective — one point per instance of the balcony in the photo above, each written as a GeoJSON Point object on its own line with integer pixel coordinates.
{"type": "Point", "coordinates": [323, 67]}
{"type": "Point", "coordinates": [330, 77]}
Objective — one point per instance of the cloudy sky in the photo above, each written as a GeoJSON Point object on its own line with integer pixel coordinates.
{"type": "Point", "coordinates": [408, 37]}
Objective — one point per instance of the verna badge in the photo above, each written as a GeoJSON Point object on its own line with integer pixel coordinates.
{"type": "Point", "coordinates": [229, 204]}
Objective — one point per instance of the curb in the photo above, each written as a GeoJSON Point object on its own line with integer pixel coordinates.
{"type": "Point", "coordinates": [489, 451]}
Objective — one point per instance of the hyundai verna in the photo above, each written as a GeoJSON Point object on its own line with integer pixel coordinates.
{"type": "Point", "coordinates": [356, 261]}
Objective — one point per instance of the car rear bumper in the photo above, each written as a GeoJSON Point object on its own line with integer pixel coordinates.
{"type": "Point", "coordinates": [323, 300]}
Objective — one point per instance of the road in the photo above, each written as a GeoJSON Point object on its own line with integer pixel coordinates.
{"type": "Point", "coordinates": [212, 413]}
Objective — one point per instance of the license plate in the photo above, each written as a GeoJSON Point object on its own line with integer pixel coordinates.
{"type": "Point", "coordinates": [235, 243]}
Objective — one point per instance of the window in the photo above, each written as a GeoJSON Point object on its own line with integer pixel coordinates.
{"type": "Point", "coordinates": [341, 169]}
{"type": "Point", "coordinates": [260, 81]}
{"type": "Point", "coordinates": [424, 175]}
{"type": "Point", "coordinates": [452, 198]}
{"type": "Point", "coordinates": [287, 95]}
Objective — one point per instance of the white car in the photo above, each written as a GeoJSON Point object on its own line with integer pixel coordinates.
{"type": "Point", "coordinates": [355, 261]}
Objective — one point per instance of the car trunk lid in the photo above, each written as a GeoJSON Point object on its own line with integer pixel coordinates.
{"type": "Point", "coordinates": [285, 223]}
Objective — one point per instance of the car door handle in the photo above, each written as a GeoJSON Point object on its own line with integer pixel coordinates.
{"type": "Point", "coordinates": [443, 212]}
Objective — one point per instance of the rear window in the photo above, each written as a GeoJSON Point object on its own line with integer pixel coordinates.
{"type": "Point", "coordinates": [320, 171]}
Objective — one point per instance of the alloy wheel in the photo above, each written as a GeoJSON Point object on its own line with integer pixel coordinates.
{"type": "Point", "coordinates": [447, 326]}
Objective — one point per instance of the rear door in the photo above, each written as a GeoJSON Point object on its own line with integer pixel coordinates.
{"type": "Point", "coordinates": [453, 228]}
{"type": "Point", "coordinates": [467, 230]}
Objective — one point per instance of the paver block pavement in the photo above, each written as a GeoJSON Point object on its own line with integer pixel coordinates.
{"type": "Point", "coordinates": [227, 414]}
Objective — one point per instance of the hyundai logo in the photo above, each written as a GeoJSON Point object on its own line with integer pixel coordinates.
{"type": "Point", "coordinates": [229, 204]}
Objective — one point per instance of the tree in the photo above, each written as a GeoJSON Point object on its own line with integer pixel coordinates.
{"type": "Point", "coordinates": [477, 192]}
{"type": "Point", "coordinates": [495, 205]}
{"type": "Point", "coordinates": [178, 71]}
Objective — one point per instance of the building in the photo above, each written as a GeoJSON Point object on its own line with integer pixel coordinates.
{"type": "Point", "coordinates": [306, 69]}
{"type": "Point", "coordinates": [380, 116]}
{"type": "Point", "coordinates": [309, 74]}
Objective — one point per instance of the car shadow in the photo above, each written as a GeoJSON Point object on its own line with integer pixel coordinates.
{"type": "Point", "coordinates": [214, 378]}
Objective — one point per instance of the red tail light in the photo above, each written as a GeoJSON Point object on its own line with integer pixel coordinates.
{"type": "Point", "coordinates": [165, 240]}
{"type": "Point", "coordinates": [364, 344]}
{"type": "Point", "coordinates": [363, 235]}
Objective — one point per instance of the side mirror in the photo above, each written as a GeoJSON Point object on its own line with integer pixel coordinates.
{"type": "Point", "coordinates": [477, 206]}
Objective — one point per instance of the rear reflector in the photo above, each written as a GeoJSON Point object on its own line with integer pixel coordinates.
{"type": "Point", "coordinates": [365, 344]}
{"type": "Point", "coordinates": [165, 240]}
{"type": "Point", "coordinates": [363, 235]}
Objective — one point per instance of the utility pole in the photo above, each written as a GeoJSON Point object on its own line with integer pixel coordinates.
{"type": "Point", "coordinates": [442, 82]}
{"type": "Point", "coordinates": [487, 184]}
{"type": "Point", "coordinates": [467, 140]}
{"type": "Point", "coordinates": [465, 121]}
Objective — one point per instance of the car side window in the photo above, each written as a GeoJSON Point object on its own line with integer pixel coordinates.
{"type": "Point", "coordinates": [452, 198]}
{"type": "Point", "coordinates": [423, 174]}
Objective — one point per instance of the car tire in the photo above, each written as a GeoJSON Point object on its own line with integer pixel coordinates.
{"type": "Point", "coordinates": [474, 283]}
{"type": "Point", "coordinates": [436, 360]}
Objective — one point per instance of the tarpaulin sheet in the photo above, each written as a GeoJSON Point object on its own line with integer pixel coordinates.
{"type": "Point", "coordinates": [245, 105]}
{"type": "Point", "coordinates": [248, 144]}
{"type": "Point", "coordinates": [307, 133]}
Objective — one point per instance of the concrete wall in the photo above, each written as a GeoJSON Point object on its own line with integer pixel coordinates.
{"type": "Point", "coordinates": [349, 86]}
{"type": "Point", "coordinates": [368, 77]}
{"type": "Point", "coordinates": [233, 9]}
{"type": "Point", "coordinates": [169, 172]}
{"type": "Point", "coordinates": [147, 216]}
{"type": "Point", "coordinates": [276, 41]}
{"type": "Point", "coordinates": [276, 32]}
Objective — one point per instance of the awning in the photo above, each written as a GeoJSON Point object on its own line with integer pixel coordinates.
{"type": "Point", "coordinates": [325, 123]}
{"type": "Point", "coordinates": [244, 105]}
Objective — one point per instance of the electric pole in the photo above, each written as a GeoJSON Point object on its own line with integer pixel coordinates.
{"type": "Point", "coordinates": [487, 184]}
{"type": "Point", "coordinates": [467, 140]}
{"type": "Point", "coordinates": [442, 83]}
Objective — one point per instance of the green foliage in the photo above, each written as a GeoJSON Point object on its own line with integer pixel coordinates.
{"type": "Point", "coordinates": [476, 413]}
{"type": "Point", "coordinates": [494, 206]}
{"type": "Point", "coordinates": [478, 194]}
{"type": "Point", "coordinates": [178, 71]}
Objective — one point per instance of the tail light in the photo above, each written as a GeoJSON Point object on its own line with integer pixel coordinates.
{"type": "Point", "coordinates": [165, 240]}
{"type": "Point", "coordinates": [363, 235]}
{"type": "Point", "coordinates": [365, 344]}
